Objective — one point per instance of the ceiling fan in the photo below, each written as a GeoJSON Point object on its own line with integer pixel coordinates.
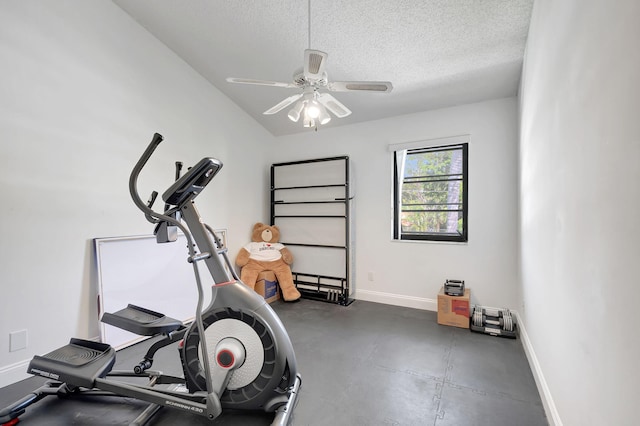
{"type": "Point", "coordinates": [313, 102]}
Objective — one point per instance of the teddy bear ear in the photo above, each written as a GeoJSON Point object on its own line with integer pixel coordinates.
{"type": "Point", "coordinates": [275, 227]}
{"type": "Point", "coordinates": [258, 225]}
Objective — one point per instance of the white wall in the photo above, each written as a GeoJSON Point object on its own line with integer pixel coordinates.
{"type": "Point", "coordinates": [411, 273]}
{"type": "Point", "coordinates": [579, 198]}
{"type": "Point", "coordinates": [82, 90]}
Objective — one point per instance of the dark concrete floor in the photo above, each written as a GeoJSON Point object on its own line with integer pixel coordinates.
{"type": "Point", "coordinates": [364, 364]}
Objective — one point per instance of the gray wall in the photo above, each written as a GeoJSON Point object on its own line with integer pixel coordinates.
{"type": "Point", "coordinates": [579, 203]}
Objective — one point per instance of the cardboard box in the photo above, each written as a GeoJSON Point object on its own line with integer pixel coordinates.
{"type": "Point", "coordinates": [454, 310]}
{"type": "Point", "coordinates": [267, 286]}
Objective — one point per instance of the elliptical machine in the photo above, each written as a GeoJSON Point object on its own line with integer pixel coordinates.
{"type": "Point", "coordinates": [236, 354]}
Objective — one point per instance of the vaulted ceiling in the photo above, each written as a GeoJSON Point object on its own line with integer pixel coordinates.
{"type": "Point", "coordinates": [437, 53]}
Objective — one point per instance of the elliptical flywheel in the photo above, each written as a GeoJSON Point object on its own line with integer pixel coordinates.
{"type": "Point", "coordinates": [259, 367]}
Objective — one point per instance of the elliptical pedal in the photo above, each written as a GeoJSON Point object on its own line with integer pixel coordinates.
{"type": "Point", "coordinates": [79, 363]}
{"type": "Point", "coordinates": [141, 321]}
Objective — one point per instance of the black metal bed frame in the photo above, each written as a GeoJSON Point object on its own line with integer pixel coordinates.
{"type": "Point", "coordinates": [324, 288]}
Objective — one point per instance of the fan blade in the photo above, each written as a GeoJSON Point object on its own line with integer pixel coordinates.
{"type": "Point", "coordinates": [368, 86]}
{"type": "Point", "coordinates": [314, 64]}
{"type": "Point", "coordinates": [333, 105]}
{"type": "Point", "coordinates": [259, 82]}
{"type": "Point", "coordinates": [282, 105]}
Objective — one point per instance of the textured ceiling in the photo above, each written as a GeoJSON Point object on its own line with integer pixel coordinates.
{"type": "Point", "coordinates": [437, 53]}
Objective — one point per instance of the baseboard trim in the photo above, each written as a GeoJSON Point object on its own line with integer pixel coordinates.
{"type": "Point", "coordinates": [397, 300]}
{"type": "Point", "coordinates": [545, 394]}
{"type": "Point", "coordinates": [13, 373]}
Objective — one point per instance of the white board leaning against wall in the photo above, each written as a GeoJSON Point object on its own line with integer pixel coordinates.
{"type": "Point", "coordinates": [136, 270]}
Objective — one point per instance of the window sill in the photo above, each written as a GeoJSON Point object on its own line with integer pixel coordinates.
{"type": "Point", "coordinates": [455, 243]}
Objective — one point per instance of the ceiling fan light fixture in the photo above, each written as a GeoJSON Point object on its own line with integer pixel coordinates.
{"type": "Point", "coordinates": [324, 116]}
{"type": "Point", "coordinates": [294, 113]}
{"type": "Point", "coordinates": [309, 122]}
{"type": "Point", "coordinates": [315, 114]}
{"type": "Point", "coordinates": [313, 109]}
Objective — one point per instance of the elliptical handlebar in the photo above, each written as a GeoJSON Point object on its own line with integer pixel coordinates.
{"type": "Point", "coordinates": [133, 178]}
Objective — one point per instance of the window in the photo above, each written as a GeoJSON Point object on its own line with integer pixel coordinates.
{"type": "Point", "coordinates": [430, 193]}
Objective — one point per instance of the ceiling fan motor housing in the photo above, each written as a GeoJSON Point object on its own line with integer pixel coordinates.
{"type": "Point", "coordinates": [300, 80]}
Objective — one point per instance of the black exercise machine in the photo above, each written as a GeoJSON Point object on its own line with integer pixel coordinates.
{"type": "Point", "coordinates": [236, 354]}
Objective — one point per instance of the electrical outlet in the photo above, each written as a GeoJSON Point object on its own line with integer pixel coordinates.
{"type": "Point", "coordinates": [17, 340]}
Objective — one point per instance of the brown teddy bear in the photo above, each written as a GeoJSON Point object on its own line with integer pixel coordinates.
{"type": "Point", "coordinates": [265, 253]}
